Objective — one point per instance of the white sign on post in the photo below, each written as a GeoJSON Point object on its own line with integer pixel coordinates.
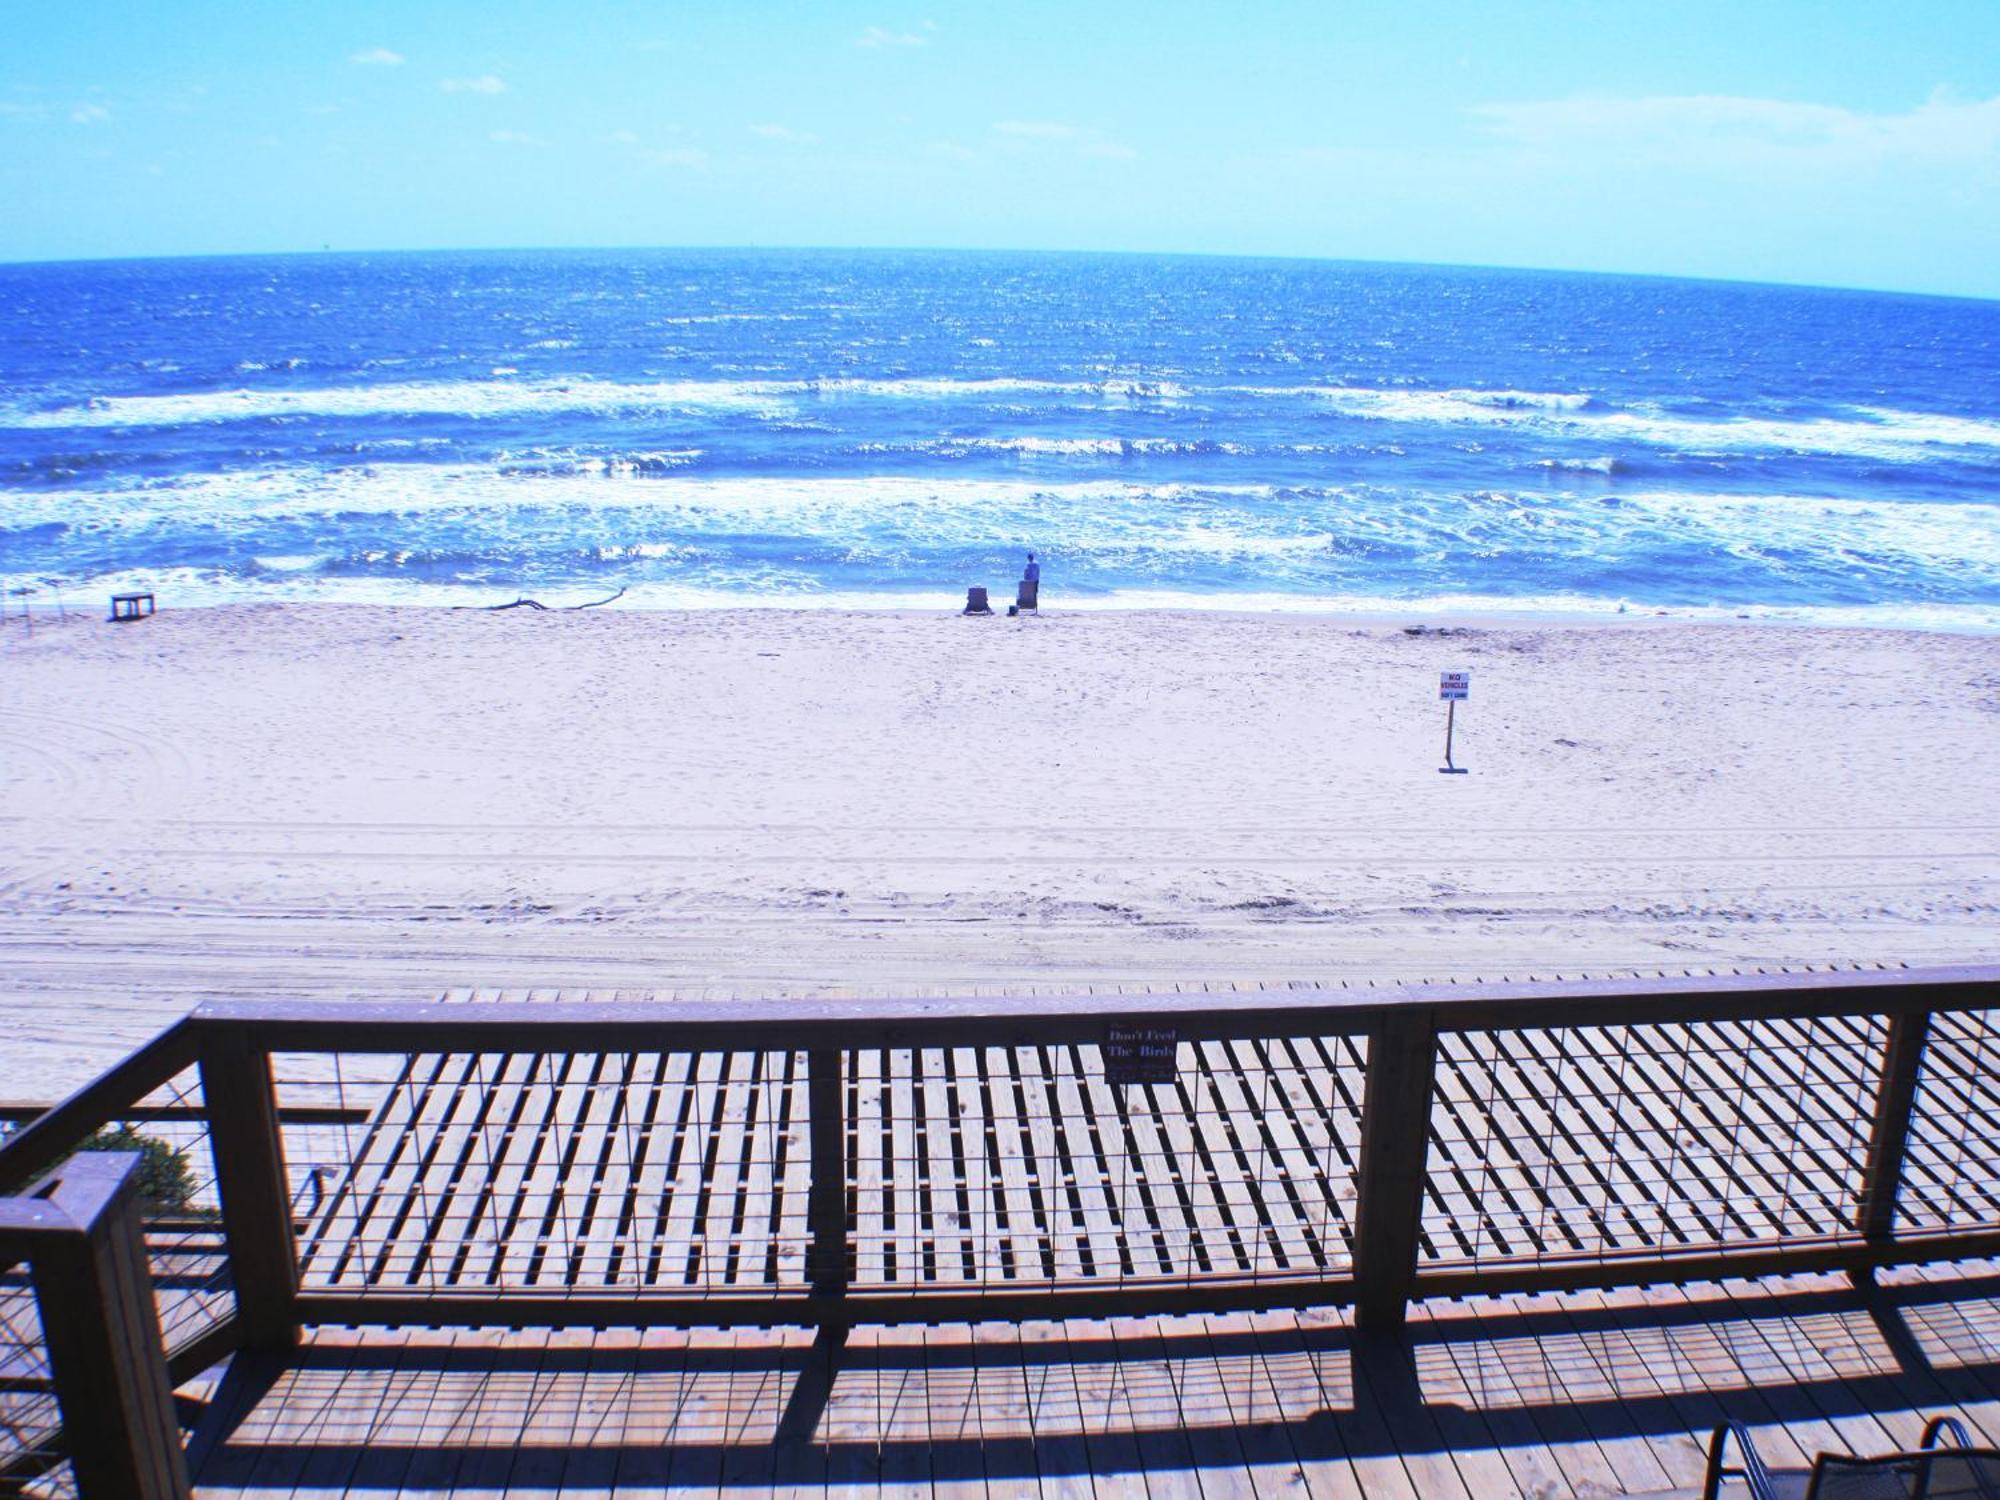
{"type": "Point", "coordinates": [1454, 688]}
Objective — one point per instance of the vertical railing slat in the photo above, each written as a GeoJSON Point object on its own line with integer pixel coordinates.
{"type": "Point", "coordinates": [826, 1203]}
{"type": "Point", "coordinates": [1888, 1141]}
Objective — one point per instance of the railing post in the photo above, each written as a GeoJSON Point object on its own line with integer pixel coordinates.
{"type": "Point", "coordinates": [1395, 1147]}
{"type": "Point", "coordinates": [1888, 1141]}
{"type": "Point", "coordinates": [250, 1175]}
{"type": "Point", "coordinates": [102, 1328]}
{"type": "Point", "coordinates": [826, 1204]}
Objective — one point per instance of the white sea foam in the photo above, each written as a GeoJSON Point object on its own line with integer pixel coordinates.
{"type": "Point", "coordinates": [1936, 427]}
{"type": "Point", "coordinates": [506, 397]}
{"type": "Point", "coordinates": [1053, 447]}
{"type": "Point", "coordinates": [1410, 404]}
{"type": "Point", "coordinates": [1865, 534]}
{"type": "Point", "coordinates": [1889, 436]}
{"type": "Point", "coordinates": [621, 465]}
{"type": "Point", "coordinates": [1870, 432]}
{"type": "Point", "coordinates": [1602, 465]}
{"type": "Point", "coordinates": [1071, 447]}
{"type": "Point", "coordinates": [901, 517]}
{"type": "Point", "coordinates": [467, 398]}
{"type": "Point", "coordinates": [1867, 432]}
{"type": "Point", "coordinates": [920, 388]}
{"type": "Point", "coordinates": [397, 489]}
{"type": "Point", "coordinates": [1878, 433]}
{"type": "Point", "coordinates": [682, 320]}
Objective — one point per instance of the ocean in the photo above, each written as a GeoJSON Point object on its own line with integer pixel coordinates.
{"type": "Point", "coordinates": [883, 429]}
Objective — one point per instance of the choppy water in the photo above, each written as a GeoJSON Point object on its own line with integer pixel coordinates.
{"type": "Point", "coordinates": [730, 427]}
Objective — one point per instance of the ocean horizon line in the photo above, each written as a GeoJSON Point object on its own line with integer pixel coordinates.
{"type": "Point", "coordinates": [1298, 258]}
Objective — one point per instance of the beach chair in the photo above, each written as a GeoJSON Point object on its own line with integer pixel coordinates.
{"type": "Point", "coordinates": [1943, 1466]}
{"type": "Point", "coordinates": [1024, 602]}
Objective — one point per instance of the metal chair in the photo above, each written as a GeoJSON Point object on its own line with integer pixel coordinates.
{"type": "Point", "coordinates": [1934, 1470]}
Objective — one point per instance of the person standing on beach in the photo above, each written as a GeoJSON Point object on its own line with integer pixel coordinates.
{"type": "Point", "coordinates": [1028, 596]}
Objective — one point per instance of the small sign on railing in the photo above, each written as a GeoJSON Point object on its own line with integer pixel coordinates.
{"type": "Point", "coordinates": [1140, 1054]}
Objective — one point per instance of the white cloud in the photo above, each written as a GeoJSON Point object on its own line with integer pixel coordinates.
{"type": "Point", "coordinates": [486, 83]}
{"type": "Point", "coordinates": [622, 138]}
{"type": "Point", "coordinates": [322, 109]}
{"type": "Point", "coordinates": [881, 36]}
{"type": "Point", "coordinates": [377, 57]}
{"type": "Point", "coordinates": [89, 114]}
{"type": "Point", "coordinates": [1035, 130]}
{"type": "Point", "coordinates": [784, 133]}
{"type": "Point", "coordinates": [1700, 130]}
{"type": "Point", "coordinates": [1079, 140]}
{"type": "Point", "coordinates": [680, 156]}
{"type": "Point", "coordinates": [514, 138]}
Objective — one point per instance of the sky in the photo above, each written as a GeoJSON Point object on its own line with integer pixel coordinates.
{"type": "Point", "coordinates": [1833, 143]}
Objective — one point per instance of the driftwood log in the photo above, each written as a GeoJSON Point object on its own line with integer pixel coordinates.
{"type": "Point", "coordinates": [524, 602]}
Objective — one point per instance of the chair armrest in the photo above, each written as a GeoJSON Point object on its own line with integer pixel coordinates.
{"type": "Point", "coordinates": [1941, 1427]}
{"type": "Point", "coordinates": [1753, 1472]}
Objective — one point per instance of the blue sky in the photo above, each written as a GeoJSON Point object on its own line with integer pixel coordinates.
{"type": "Point", "coordinates": [1837, 143]}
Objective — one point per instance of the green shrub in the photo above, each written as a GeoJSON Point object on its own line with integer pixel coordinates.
{"type": "Point", "coordinates": [165, 1182]}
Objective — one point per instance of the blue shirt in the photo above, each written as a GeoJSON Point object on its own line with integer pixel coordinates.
{"type": "Point", "coordinates": [1033, 572]}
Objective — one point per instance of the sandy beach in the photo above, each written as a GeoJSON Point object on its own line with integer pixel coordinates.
{"type": "Point", "coordinates": [352, 801]}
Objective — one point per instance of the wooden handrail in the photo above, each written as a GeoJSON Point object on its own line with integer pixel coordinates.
{"type": "Point", "coordinates": [39, 1145]}
{"type": "Point", "coordinates": [739, 1025]}
{"type": "Point", "coordinates": [21, 1112]}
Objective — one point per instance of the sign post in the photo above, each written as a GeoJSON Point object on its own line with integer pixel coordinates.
{"type": "Point", "coordinates": [1455, 688]}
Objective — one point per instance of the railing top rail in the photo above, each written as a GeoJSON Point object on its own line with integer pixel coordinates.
{"type": "Point", "coordinates": [381, 1026]}
{"type": "Point", "coordinates": [72, 1204]}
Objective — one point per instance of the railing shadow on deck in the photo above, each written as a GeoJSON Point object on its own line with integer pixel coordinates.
{"type": "Point", "coordinates": [1171, 1395]}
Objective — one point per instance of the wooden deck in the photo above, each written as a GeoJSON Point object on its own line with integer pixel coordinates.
{"type": "Point", "coordinates": [1574, 1395]}
{"type": "Point", "coordinates": [1038, 1278]}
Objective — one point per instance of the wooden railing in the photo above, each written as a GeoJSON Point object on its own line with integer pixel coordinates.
{"type": "Point", "coordinates": [91, 1391]}
{"type": "Point", "coordinates": [840, 1162]}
